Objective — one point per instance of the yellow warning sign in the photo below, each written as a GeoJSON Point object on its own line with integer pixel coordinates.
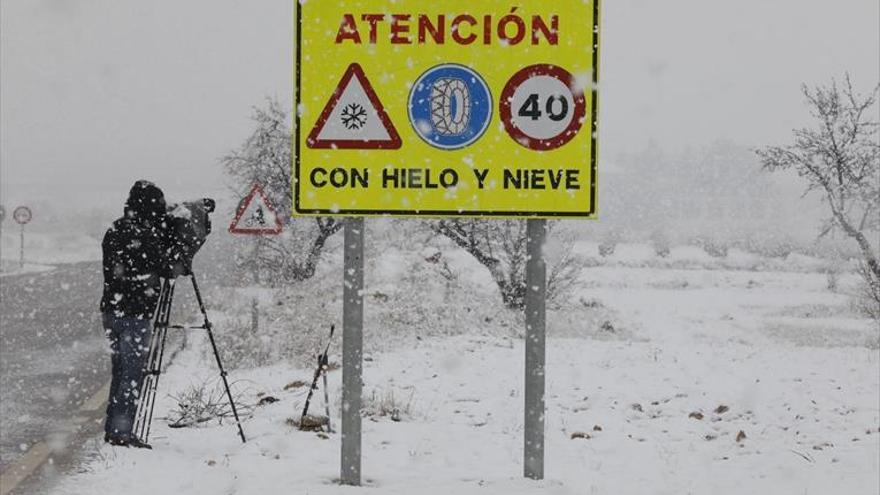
{"type": "Point", "coordinates": [446, 108]}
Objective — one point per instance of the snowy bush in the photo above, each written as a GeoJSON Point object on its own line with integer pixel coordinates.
{"type": "Point", "coordinates": [714, 247]}
{"type": "Point", "coordinates": [427, 299]}
{"type": "Point", "coordinates": [204, 402]}
{"type": "Point", "coordinates": [387, 403]}
{"type": "Point", "coordinates": [293, 321]}
{"type": "Point", "coordinates": [607, 246]}
{"type": "Point", "coordinates": [500, 246]}
{"type": "Point", "coordinates": [660, 243]}
{"type": "Point", "coordinates": [564, 268]}
{"type": "Point", "coordinates": [781, 248]}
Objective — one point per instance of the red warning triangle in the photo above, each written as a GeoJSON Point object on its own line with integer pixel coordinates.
{"type": "Point", "coordinates": [354, 118]}
{"type": "Point", "coordinates": [256, 215]}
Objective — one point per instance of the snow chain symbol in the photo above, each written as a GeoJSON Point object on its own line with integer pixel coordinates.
{"type": "Point", "coordinates": [450, 106]}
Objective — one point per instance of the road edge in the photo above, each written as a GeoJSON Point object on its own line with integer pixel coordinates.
{"type": "Point", "coordinates": [23, 468]}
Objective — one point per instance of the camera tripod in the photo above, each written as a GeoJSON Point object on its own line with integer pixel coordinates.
{"type": "Point", "coordinates": [153, 369]}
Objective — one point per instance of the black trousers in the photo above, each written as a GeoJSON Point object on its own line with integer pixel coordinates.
{"type": "Point", "coordinates": [130, 344]}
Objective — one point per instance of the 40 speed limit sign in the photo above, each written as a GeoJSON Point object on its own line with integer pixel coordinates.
{"type": "Point", "coordinates": [446, 108]}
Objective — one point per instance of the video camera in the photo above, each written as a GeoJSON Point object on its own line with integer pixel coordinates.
{"type": "Point", "coordinates": [188, 228]}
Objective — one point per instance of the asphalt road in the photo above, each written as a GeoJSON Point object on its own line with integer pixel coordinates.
{"type": "Point", "coordinates": [53, 356]}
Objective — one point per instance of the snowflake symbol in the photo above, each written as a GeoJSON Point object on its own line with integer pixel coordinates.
{"type": "Point", "coordinates": [354, 116]}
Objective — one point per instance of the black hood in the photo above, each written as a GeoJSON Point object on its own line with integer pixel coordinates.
{"type": "Point", "coordinates": [145, 202]}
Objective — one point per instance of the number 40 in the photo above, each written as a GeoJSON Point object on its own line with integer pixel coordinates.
{"type": "Point", "coordinates": [532, 107]}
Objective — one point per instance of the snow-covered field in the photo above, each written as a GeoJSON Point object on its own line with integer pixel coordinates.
{"type": "Point", "coordinates": [725, 381]}
{"type": "Point", "coordinates": [42, 251]}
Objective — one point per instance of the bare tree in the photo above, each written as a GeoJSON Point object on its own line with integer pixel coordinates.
{"type": "Point", "coordinates": [500, 246]}
{"type": "Point", "coordinates": [840, 158]}
{"type": "Point", "coordinates": [265, 158]}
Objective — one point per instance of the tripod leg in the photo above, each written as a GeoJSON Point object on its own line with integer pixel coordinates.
{"type": "Point", "coordinates": [146, 383]}
{"type": "Point", "coordinates": [209, 328]}
{"type": "Point", "coordinates": [158, 370]}
{"type": "Point", "coordinates": [153, 366]}
{"type": "Point", "coordinates": [326, 402]}
{"type": "Point", "coordinates": [152, 383]}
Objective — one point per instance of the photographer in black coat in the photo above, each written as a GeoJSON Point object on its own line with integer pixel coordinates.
{"type": "Point", "coordinates": [136, 254]}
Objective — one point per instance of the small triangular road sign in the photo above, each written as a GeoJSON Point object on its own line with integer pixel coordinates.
{"type": "Point", "coordinates": [256, 215]}
{"type": "Point", "coordinates": [354, 118]}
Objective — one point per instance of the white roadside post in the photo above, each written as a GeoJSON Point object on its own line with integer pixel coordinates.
{"type": "Point", "coordinates": [536, 289]}
{"type": "Point", "coordinates": [255, 304]}
{"type": "Point", "coordinates": [352, 350]}
{"type": "Point", "coordinates": [256, 216]}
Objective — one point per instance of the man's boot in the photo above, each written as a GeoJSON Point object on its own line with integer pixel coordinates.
{"type": "Point", "coordinates": [116, 440]}
{"type": "Point", "coordinates": [137, 443]}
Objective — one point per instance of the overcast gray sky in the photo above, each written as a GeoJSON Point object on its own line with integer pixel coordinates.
{"type": "Point", "coordinates": [97, 93]}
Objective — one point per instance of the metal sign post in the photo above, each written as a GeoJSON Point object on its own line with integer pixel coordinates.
{"type": "Point", "coordinates": [2, 219]}
{"type": "Point", "coordinates": [536, 289]}
{"type": "Point", "coordinates": [22, 215]}
{"type": "Point", "coordinates": [352, 350]}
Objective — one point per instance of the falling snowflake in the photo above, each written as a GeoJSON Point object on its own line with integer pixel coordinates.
{"type": "Point", "coordinates": [354, 116]}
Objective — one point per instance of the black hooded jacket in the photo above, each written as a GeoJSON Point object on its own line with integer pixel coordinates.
{"type": "Point", "coordinates": [135, 254]}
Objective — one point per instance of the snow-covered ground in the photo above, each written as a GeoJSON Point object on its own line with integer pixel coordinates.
{"type": "Point", "coordinates": [657, 408]}
{"type": "Point", "coordinates": [42, 250]}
